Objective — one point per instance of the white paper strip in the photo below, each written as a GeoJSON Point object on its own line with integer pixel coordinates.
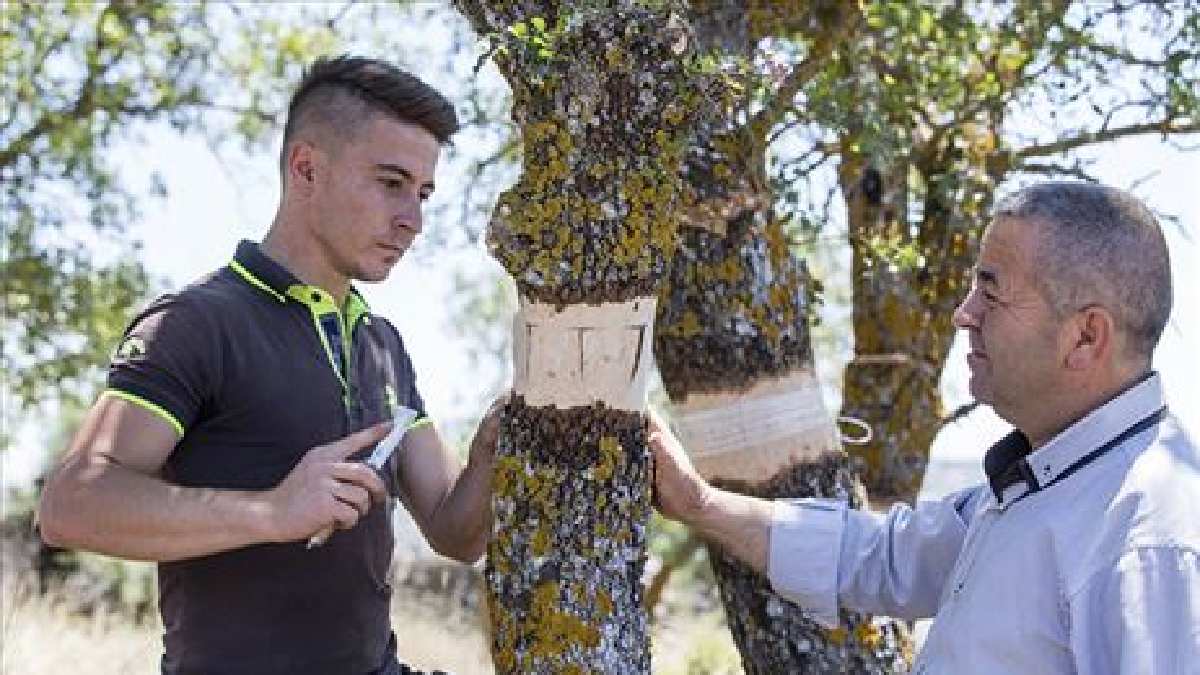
{"type": "Point", "coordinates": [584, 354]}
{"type": "Point", "coordinates": [750, 436]}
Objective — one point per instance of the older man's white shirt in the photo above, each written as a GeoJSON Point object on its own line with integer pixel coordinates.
{"type": "Point", "coordinates": [1099, 573]}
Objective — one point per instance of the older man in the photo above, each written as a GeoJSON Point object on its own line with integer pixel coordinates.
{"type": "Point", "coordinates": [1081, 551]}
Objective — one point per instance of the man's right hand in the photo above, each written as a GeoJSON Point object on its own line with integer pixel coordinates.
{"type": "Point", "coordinates": [738, 523]}
{"type": "Point", "coordinates": [325, 489]}
{"type": "Point", "coordinates": [681, 493]}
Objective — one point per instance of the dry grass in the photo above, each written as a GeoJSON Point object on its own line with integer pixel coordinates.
{"type": "Point", "coordinates": [41, 636]}
{"type": "Point", "coordinates": [435, 630]}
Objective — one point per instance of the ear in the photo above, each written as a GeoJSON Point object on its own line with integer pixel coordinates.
{"type": "Point", "coordinates": [1090, 337]}
{"type": "Point", "coordinates": [302, 164]}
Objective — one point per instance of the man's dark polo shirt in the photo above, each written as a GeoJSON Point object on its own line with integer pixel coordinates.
{"type": "Point", "coordinates": [243, 364]}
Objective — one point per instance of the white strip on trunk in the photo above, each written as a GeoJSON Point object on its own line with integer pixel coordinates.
{"type": "Point", "coordinates": [751, 436]}
{"type": "Point", "coordinates": [584, 354]}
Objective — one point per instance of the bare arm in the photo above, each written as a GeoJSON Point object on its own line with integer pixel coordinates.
{"type": "Point", "coordinates": [739, 524]}
{"type": "Point", "coordinates": [108, 495]}
{"type": "Point", "coordinates": [451, 503]}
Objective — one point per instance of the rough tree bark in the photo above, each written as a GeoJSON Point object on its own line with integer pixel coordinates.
{"type": "Point", "coordinates": [605, 103]}
{"type": "Point", "coordinates": [734, 351]}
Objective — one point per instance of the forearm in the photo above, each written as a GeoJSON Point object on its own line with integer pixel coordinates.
{"type": "Point", "coordinates": [460, 525]}
{"type": "Point", "coordinates": [741, 525]}
{"type": "Point", "coordinates": [95, 504]}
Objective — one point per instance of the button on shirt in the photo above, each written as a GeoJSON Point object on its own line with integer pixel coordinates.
{"type": "Point", "coordinates": [1098, 572]}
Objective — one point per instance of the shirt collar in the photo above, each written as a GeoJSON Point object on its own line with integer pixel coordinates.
{"type": "Point", "coordinates": [253, 266]}
{"type": "Point", "coordinates": [1012, 464]}
{"type": "Point", "coordinates": [257, 269]}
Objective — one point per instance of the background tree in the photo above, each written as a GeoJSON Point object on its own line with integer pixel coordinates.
{"type": "Point", "coordinates": [930, 113]}
{"type": "Point", "coordinates": [82, 78]}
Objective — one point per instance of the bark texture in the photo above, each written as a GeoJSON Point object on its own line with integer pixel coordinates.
{"type": "Point", "coordinates": [776, 638]}
{"type": "Point", "coordinates": [605, 102]}
{"type": "Point", "coordinates": [736, 312]}
{"type": "Point", "coordinates": [571, 505]}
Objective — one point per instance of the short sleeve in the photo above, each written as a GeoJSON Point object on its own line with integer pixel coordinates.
{"type": "Point", "coordinates": [165, 362]}
{"type": "Point", "coordinates": [406, 376]}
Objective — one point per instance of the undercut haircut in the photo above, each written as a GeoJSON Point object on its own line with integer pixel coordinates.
{"type": "Point", "coordinates": [1098, 245]}
{"type": "Point", "coordinates": [343, 93]}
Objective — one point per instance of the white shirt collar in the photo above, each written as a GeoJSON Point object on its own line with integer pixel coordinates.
{"type": "Point", "coordinates": [1097, 428]}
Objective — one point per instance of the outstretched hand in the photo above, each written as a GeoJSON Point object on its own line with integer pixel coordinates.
{"type": "Point", "coordinates": [680, 493]}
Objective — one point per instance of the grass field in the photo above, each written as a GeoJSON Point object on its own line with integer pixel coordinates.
{"type": "Point", "coordinates": [436, 627]}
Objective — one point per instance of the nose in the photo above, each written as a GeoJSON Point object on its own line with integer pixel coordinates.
{"type": "Point", "coordinates": [966, 314]}
{"type": "Point", "coordinates": [409, 217]}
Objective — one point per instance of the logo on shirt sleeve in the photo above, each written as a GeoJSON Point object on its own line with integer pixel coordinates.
{"type": "Point", "coordinates": [130, 348]}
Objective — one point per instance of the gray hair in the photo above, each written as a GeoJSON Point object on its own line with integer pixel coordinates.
{"type": "Point", "coordinates": [1098, 245]}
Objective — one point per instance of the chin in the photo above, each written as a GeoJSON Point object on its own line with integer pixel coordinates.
{"type": "Point", "coordinates": [373, 275]}
{"type": "Point", "coordinates": [978, 391]}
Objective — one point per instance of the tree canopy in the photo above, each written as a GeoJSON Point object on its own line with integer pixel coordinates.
{"type": "Point", "coordinates": [83, 78]}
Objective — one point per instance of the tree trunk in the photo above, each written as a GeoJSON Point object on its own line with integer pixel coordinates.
{"type": "Point", "coordinates": [918, 173]}
{"type": "Point", "coordinates": [734, 351]}
{"type": "Point", "coordinates": [903, 326]}
{"type": "Point", "coordinates": [732, 334]}
{"type": "Point", "coordinates": [605, 106]}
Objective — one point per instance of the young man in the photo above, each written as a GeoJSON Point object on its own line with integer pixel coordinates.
{"type": "Point", "coordinates": [237, 408]}
{"type": "Point", "coordinates": [1081, 553]}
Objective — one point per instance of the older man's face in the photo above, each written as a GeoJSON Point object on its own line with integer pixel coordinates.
{"type": "Point", "coordinates": [1013, 331]}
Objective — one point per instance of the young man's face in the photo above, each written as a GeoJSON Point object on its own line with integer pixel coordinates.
{"type": "Point", "coordinates": [369, 200]}
{"type": "Point", "coordinates": [1014, 353]}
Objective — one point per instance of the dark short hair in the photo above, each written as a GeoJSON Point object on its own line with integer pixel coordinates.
{"type": "Point", "coordinates": [1098, 245]}
{"type": "Point", "coordinates": [343, 92]}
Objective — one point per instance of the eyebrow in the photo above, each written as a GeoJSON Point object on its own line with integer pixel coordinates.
{"type": "Point", "coordinates": [396, 168]}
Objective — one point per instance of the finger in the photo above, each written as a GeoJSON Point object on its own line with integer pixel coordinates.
{"type": "Point", "coordinates": [489, 427]}
{"type": "Point", "coordinates": [354, 496]}
{"type": "Point", "coordinates": [656, 421]}
{"type": "Point", "coordinates": [491, 418]}
{"type": "Point", "coordinates": [320, 537]}
{"type": "Point", "coordinates": [363, 476]}
{"type": "Point", "coordinates": [348, 445]}
{"type": "Point", "coordinates": [663, 441]}
{"type": "Point", "coordinates": [344, 515]}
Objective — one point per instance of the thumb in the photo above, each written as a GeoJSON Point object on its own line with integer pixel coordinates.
{"type": "Point", "coordinates": [348, 445]}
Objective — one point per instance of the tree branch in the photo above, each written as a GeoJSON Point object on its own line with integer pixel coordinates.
{"type": "Point", "coordinates": [84, 105]}
{"type": "Point", "coordinates": [331, 23]}
{"type": "Point", "coordinates": [849, 22]}
{"type": "Point", "coordinates": [1165, 127]}
{"type": "Point", "coordinates": [1058, 170]}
